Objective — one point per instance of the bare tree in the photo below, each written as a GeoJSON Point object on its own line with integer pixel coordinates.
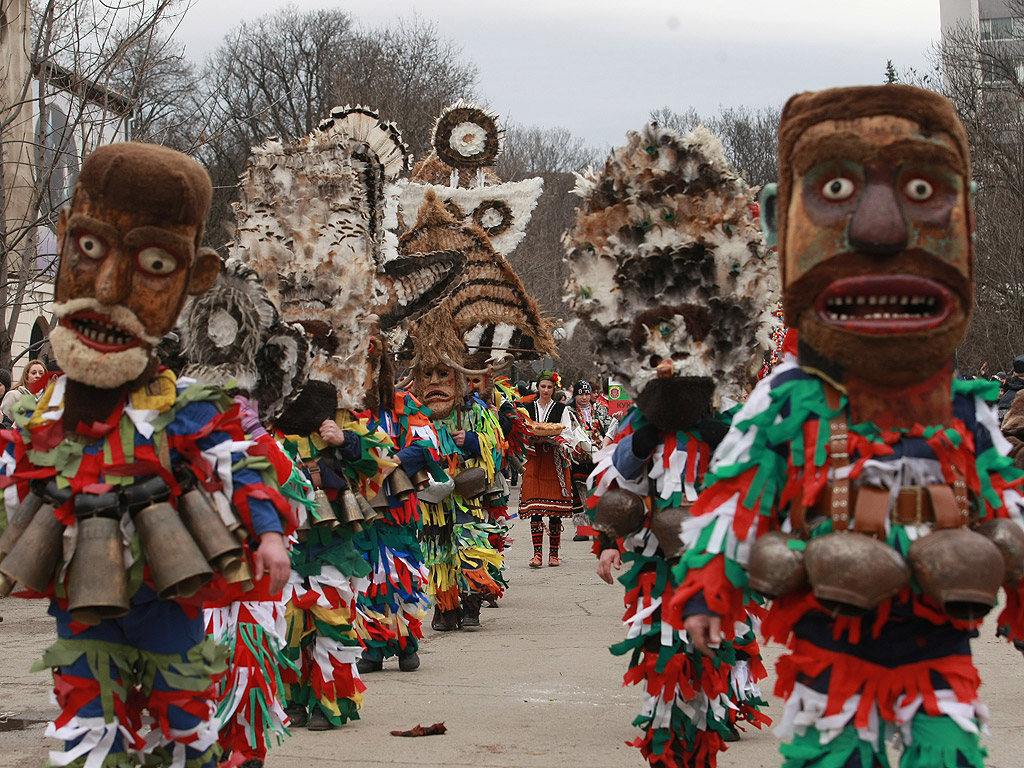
{"type": "Point", "coordinates": [750, 137]}
{"type": "Point", "coordinates": [57, 102]}
{"type": "Point", "coordinates": [981, 71]}
{"type": "Point", "coordinates": [279, 75]}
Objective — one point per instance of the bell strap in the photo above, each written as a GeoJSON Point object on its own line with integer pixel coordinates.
{"type": "Point", "coordinates": [314, 474]}
{"type": "Point", "coordinates": [838, 450]}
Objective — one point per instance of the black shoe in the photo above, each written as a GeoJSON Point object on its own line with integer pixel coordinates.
{"type": "Point", "coordinates": [369, 662]}
{"type": "Point", "coordinates": [297, 714]}
{"type": "Point", "coordinates": [445, 621]}
{"type": "Point", "coordinates": [580, 537]}
{"type": "Point", "coordinates": [409, 662]}
{"type": "Point", "coordinates": [318, 722]}
{"type": "Point", "coordinates": [732, 735]}
{"type": "Point", "coordinates": [471, 610]}
{"type": "Point", "coordinates": [254, 763]}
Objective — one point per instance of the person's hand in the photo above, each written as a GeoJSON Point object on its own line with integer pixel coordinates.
{"type": "Point", "coordinates": [332, 433]}
{"type": "Point", "coordinates": [608, 559]}
{"type": "Point", "coordinates": [459, 436]}
{"type": "Point", "coordinates": [272, 557]}
{"type": "Point", "coordinates": [705, 631]}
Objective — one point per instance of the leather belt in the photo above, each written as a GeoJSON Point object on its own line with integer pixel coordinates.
{"type": "Point", "coordinates": [914, 503]}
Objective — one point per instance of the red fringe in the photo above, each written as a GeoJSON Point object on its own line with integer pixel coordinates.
{"type": "Point", "coordinates": [876, 684]}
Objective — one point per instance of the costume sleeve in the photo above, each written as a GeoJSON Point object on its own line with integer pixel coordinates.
{"type": "Point", "coordinates": [1000, 491]}
{"type": "Point", "coordinates": [352, 449]}
{"type": "Point", "coordinates": [471, 447]}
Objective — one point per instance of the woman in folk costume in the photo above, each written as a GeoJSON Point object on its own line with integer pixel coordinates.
{"type": "Point", "coordinates": [151, 478]}
{"type": "Point", "coordinates": [329, 289]}
{"type": "Point", "coordinates": [547, 486]}
{"type": "Point", "coordinates": [863, 486]}
{"type": "Point", "coordinates": [699, 341]}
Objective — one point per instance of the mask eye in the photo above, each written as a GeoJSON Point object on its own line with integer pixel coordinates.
{"type": "Point", "coordinates": [91, 246]}
{"type": "Point", "coordinates": [156, 261]}
{"type": "Point", "coordinates": [918, 190]}
{"type": "Point", "coordinates": [839, 188]}
{"type": "Point", "coordinates": [665, 328]}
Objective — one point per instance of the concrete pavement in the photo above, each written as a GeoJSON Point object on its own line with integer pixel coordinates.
{"type": "Point", "coordinates": [534, 687]}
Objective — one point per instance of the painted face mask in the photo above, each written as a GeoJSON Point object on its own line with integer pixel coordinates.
{"type": "Point", "coordinates": [875, 230]}
{"type": "Point", "coordinates": [129, 256]}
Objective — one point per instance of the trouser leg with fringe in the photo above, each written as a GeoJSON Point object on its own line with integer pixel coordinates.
{"type": "Point", "coordinates": [156, 659]}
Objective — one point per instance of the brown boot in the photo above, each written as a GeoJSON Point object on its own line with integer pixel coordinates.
{"type": "Point", "coordinates": [445, 621]}
{"type": "Point", "coordinates": [471, 610]}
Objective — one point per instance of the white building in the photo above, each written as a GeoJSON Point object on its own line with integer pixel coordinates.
{"type": "Point", "coordinates": [53, 119]}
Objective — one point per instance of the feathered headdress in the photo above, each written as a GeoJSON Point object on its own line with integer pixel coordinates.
{"type": "Point", "coordinates": [486, 219]}
{"type": "Point", "coordinates": [310, 224]}
{"type": "Point", "coordinates": [667, 265]}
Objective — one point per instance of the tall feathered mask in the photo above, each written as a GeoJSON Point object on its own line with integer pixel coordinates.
{"type": "Point", "coordinates": [310, 223]}
{"type": "Point", "coordinates": [668, 269]}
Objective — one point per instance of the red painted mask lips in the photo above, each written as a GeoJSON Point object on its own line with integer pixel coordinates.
{"type": "Point", "coordinates": [98, 332]}
{"type": "Point", "coordinates": [885, 304]}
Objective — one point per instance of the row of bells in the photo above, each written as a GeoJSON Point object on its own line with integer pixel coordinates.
{"type": "Point", "coordinates": [355, 509]}
{"type": "Point", "coordinates": [959, 569]}
{"type": "Point", "coordinates": [183, 546]}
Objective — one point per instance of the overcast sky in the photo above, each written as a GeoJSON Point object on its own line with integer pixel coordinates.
{"type": "Point", "coordinates": [598, 67]}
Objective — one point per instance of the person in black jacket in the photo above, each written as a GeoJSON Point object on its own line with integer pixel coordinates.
{"type": "Point", "coordinates": [1014, 384]}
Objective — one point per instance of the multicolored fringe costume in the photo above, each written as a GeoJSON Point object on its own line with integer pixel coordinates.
{"type": "Point", "coordinates": [251, 625]}
{"type": "Point", "coordinates": [457, 532]}
{"type": "Point", "coordinates": [157, 659]}
{"type": "Point", "coordinates": [690, 702]}
{"type": "Point", "coordinates": [394, 602]}
{"type": "Point", "coordinates": [906, 665]}
{"type": "Point", "coordinates": [327, 574]}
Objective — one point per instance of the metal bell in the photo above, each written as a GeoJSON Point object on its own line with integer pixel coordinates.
{"type": "Point", "coordinates": [401, 485]}
{"type": "Point", "coordinates": [1009, 537]}
{"type": "Point", "coordinates": [175, 560]}
{"type": "Point", "coordinates": [98, 582]}
{"type": "Point", "coordinates": [851, 573]}
{"type": "Point", "coordinates": [516, 463]}
{"type": "Point", "coordinates": [325, 510]}
{"type": "Point", "coordinates": [471, 482]}
{"type": "Point", "coordinates": [18, 521]}
{"type": "Point", "coordinates": [420, 479]}
{"type": "Point", "coordinates": [959, 570]}
{"type": "Point", "coordinates": [221, 549]}
{"type": "Point", "coordinates": [34, 557]}
{"type": "Point", "coordinates": [776, 569]}
{"type": "Point", "coordinates": [351, 514]}
{"type": "Point", "coordinates": [494, 494]}
{"type": "Point", "coordinates": [619, 513]}
{"type": "Point", "coordinates": [667, 529]}
{"type": "Point", "coordinates": [370, 513]}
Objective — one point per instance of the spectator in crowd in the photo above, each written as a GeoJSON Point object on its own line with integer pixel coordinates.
{"type": "Point", "coordinates": [33, 371]}
{"type": "Point", "coordinates": [1014, 384]}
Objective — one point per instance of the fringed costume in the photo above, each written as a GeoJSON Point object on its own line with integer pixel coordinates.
{"type": "Point", "coordinates": [863, 486]}
{"type": "Point", "coordinates": [679, 317]}
{"type": "Point", "coordinates": [457, 531]}
{"type": "Point", "coordinates": [395, 601]}
{"type": "Point", "coordinates": [154, 667]}
{"type": "Point", "coordinates": [690, 702]}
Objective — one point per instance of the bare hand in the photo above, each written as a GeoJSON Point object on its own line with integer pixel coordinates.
{"type": "Point", "coordinates": [332, 433]}
{"type": "Point", "coordinates": [705, 631]}
{"type": "Point", "coordinates": [272, 557]}
{"type": "Point", "coordinates": [608, 559]}
{"type": "Point", "coordinates": [459, 437]}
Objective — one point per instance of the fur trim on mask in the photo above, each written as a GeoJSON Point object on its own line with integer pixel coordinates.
{"type": "Point", "coordinates": [666, 263]}
{"type": "Point", "coordinates": [105, 370]}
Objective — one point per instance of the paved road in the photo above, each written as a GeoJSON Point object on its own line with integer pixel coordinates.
{"type": "Point", "coordinates": [534, 687]}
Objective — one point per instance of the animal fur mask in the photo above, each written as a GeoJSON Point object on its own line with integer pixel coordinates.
{"type": "Point", "coordinates": [668, 268]}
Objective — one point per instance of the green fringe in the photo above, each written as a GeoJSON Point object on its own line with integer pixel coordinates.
{"type": "Point", "coordinates": [807, 751]}
{"type": "Point", "coordinates": [938, 742]}
{"type": "Point", "coordinates": [331, 547]}
{"type": "Point", "coordinates": [136, 667]}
